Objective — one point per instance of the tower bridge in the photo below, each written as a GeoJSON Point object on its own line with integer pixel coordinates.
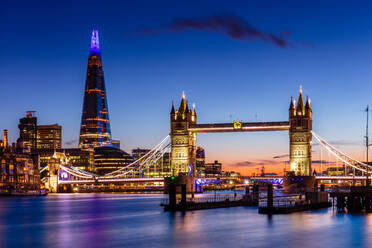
{"type": "Point", "coordinates": [181, 143]}
{"type": "Point", "coordinates": [184, 130]}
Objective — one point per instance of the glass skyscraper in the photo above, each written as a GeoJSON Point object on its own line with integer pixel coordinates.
{"type": "Point", "coordinates": [95, 125]}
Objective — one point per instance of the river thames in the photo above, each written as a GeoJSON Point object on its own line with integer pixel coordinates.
{"type": "Point", "coordinates": [137, 220]}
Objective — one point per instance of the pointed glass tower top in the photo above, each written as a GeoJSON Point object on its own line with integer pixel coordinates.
{"type": "Point", "coordinates": [94, 43]}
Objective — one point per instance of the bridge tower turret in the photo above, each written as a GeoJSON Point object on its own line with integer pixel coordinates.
{"type": "Point", "coordinates": [300, 126]}
{"type": "Point", "coordinates": [183, 142]}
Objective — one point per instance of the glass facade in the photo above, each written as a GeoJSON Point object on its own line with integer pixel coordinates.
{"type": "Point", "coordinates": [49, 136]}
{"type": "Point", "coordinates": [95, 125]}
{"type": "Point", "coordinates": [108, 159]}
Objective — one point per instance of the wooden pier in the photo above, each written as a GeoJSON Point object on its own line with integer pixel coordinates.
{"type": "Point", "coordinates": [218, 201]}
{"type": "Point", "coordinates": [293, 203]}
{"type": "Point", "coordinates": [357, 199]}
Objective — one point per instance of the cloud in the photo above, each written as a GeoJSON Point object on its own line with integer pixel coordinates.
{"type": "Point", "coordinates": [245, 164]}
{"type": "Point", "coordinates": [259, 162]}
{"type": "Point", "coordinates": [281, 156]}
{"type": "Point", "coordinates": [231, 25]}
{"type": "Point", "coordinates": [271, 174]}
{"type": "Point", "coordinates": [320, 162]}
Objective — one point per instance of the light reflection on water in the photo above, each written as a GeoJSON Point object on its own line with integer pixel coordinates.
{"type": "Point", "coordinates": [137, 220]}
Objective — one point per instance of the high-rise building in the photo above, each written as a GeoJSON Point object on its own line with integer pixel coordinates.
{"type": "Point", "coordinates": [200, 162]}
{"type": "Point", "coordinates": [28, 130]}
{"type": "Point", "coordinates": [95, 125]}
{"type": "Point", "coordinates": [49, 136]}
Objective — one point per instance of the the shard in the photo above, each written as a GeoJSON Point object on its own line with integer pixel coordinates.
{"type": "Point", "coordinates": [95, 124]}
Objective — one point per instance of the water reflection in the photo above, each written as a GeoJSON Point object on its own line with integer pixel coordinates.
{"type": "Point", "coordinates": [125, 220]}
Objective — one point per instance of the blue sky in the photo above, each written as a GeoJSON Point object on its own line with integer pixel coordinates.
{"type": "Point", "coordinates": [44, 49]}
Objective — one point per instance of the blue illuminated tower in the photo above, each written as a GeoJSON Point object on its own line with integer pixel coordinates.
{"type": "Point", "coordinates": [95, 124]}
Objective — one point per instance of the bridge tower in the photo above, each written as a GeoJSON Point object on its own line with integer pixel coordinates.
{"type": "Point", "coordinates": [183, 142]}
{"type": "Point", "coordinates": [300, 126]}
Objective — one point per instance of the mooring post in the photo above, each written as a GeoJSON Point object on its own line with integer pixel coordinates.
{"type": "Point", "coordinates": [183, 195]}
{"type": "Point", "coordinates": [172, 196]}
{"type": "Point", "coordinates": [322, 188]}
{"type": "Point", "coordinates": [246, 191]}
{"type": "Point", "coordinates": [270, 196]}
{"type": "Point", "coordinates": [256, 193]}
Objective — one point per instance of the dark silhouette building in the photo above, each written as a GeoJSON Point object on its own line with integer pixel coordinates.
{"type": "Point", "coordinates": [28, 130]}
{"type": "Point", "coordinates": [95, 125]}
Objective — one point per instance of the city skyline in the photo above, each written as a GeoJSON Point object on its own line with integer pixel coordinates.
{"type": "Point", "coordinates": [247, 77]}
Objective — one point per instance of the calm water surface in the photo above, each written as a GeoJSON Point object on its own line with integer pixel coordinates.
{"type": "Point", "coordinates": [134, 220]}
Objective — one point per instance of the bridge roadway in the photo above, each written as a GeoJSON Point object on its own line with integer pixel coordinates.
{"type": "Point", "coordinates": [245, 127]}
{"type": "Point", "coordinates": [130, 180]}
{"type": "Point", "coordinates": [318, 177]}
{"type": "Point", "coordinates": [160, 179]}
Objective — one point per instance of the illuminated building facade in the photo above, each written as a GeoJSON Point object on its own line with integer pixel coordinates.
{"type": "Point", "coordinates": [213, 169]}
{"type": "Point", "coordinates": [28, 130]}
{"type": "Point", "coordinates": [49, 136]}
{"type": "Point", "coordinates": [161, 168]}
{"type": "Point", "coordinates": [108, 159]}
{"type": "Point", "coordinates": [19, 169]}
{"type": "Point", "coordinates": [183, 143]}
{"type": "Point", "coordinates": [81, 159]}
{"type": "Point", "coordinates": [95, 125]}
{"type": "Point", "coordinates": [300, 126]}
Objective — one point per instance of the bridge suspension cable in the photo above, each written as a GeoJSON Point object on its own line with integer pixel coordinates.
{"type": "Point", "coordinates": [143, 166]}
{"type": "Point", "coordinates": [142, 160]}
{"type": "Point", "coordinates": [136, 167]}
{"type": "Point", "coordinates": [342, 156]}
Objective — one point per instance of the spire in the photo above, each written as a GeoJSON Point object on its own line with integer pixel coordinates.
{"type": "Point", "coordinates": [300, 109]}
{"type": "Point", "coordinates": [182, 108]}
{"type": "Point", "coordinates": [308, 105]}
{"type": "Point", "coordinates": [291, 106]}
{"type": "Point", "coordinates": [94, 43]}
{"type": "Point", "coordinates": [187, 110]}
{"type": "Point", "coordinates": [173, 111]}
{"type": "Point", "coordinates": [193, 109]}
